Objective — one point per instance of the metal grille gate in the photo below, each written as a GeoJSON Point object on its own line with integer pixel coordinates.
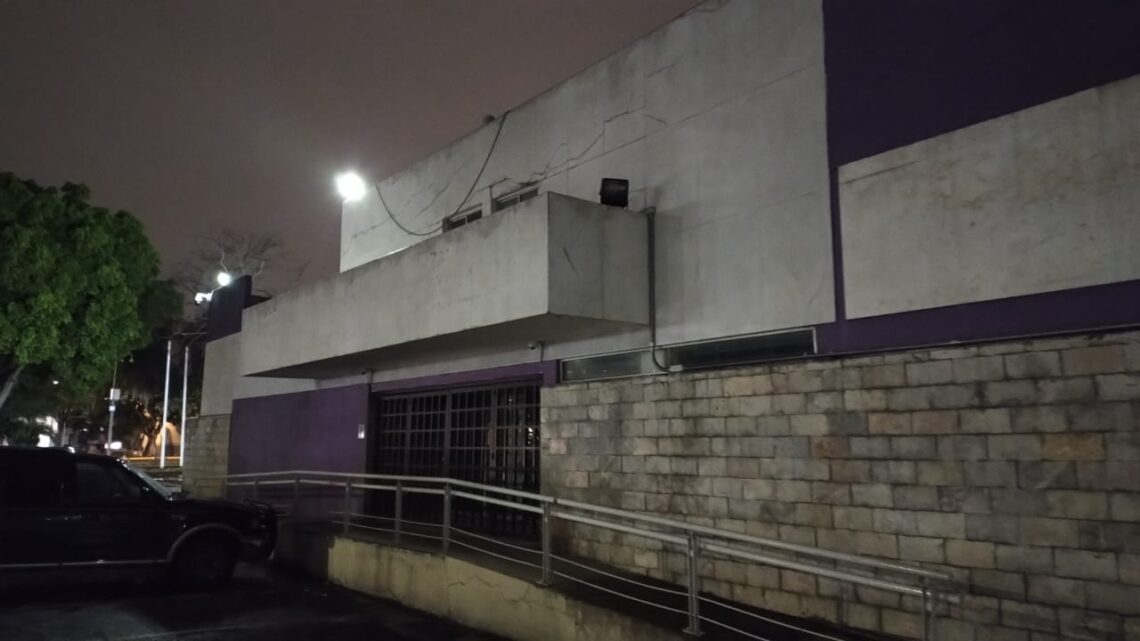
{"type": "Point", "coordinates": [488, 435]}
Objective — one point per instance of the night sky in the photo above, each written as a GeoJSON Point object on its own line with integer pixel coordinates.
{"type": "Point", "coordinates": [201, 115]}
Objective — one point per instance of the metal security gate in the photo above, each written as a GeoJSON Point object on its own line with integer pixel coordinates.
{"type": "Point", "coordinates": [486, 435]}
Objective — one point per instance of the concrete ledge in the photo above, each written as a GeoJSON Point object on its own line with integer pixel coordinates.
{"type": "Point", "coordinates": [563, 268]}
{"type": "Point", "coordinates": [478, 597]}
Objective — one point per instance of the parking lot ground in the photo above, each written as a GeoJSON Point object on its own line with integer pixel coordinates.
{"type": "Point", "coordinates": [258, 605]}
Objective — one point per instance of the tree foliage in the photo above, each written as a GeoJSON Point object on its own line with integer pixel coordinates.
{"type": "Point", "coordinates": [79, 285]}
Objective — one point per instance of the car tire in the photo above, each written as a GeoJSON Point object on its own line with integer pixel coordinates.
{"type": "Point", "coordinates": [205, 563]}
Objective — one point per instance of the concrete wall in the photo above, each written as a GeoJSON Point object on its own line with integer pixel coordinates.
{"type": "Point", "coordinates": [219, 374]}
{"type": "Point", "coordinates": [716, 119]}
{"type": "Point", "coordinates": [1014, 465]}
{"type": "Point", "coordinates": [222, 382]}
{"type": "Point", "coordinates": [1039, 200]}
{"type": "Point", "coordinates": [551, 255]}
{"type": "Point", "coordinates": [597, 261]}
{"type": "Point", "coordinates": [477, 596]}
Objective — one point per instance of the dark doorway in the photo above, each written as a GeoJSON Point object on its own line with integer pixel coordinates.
{"type": "Point", "coordinates": [487, 435]}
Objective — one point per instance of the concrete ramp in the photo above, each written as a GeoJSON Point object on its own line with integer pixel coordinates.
{"type": "Point", "coordinates": [477, 596]}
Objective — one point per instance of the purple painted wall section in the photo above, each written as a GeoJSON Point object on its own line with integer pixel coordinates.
{"type": "Point", "coordinates": [900, 71]}
{"type": "Point", "coordinates": [309, 430]}
{"type": "Point", "coordinates": [909, 70]}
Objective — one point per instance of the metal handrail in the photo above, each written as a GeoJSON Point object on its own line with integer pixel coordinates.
{"type": "Point", "coordinates": [802, 550]}
{"type": "Point", "coordinates": [930, 585]}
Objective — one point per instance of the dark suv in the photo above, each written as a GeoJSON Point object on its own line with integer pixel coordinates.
{"type": "Point", "coordinates": [60, 510]}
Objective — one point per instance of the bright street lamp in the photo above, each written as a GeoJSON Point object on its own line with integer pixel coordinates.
{"type": "Point", "coordinates": [223, 279]}
{"type": "Point", "coordinates": [351, 186]}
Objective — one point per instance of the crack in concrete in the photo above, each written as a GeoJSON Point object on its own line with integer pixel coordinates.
{"type": "Point", "coordinates": [446, 185]}
{"type": "Point", "coordinates": [474, 577]}
{"type": "Point", "coordinates": [435, 197]}
{"type": "Point", "coordinates": [662, 69]}
{"type": "Point", "coordinates": [573, 268]}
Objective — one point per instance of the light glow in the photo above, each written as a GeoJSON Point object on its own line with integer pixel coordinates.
{"type": "Point", "coordinates": [224, 279]}
{"type": "Point", "coordinates": [351, 186]}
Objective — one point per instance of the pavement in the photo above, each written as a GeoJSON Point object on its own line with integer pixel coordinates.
{"type": "Point", "coordinates": [258, 605]}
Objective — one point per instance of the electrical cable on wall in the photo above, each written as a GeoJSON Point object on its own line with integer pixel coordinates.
{"type": "Point", "coordinates": [438, 226]}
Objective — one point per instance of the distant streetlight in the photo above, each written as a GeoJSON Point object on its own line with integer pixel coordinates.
{"type": "Point", "coordinates": [223, 279]}
{"type": "Point", "coordinates": [351, 186]}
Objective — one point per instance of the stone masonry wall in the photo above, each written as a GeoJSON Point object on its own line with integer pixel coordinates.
{"type": "Point", "coordinates": [1015, 465]}
{"type": "Point", "coordinates": [207, 454]}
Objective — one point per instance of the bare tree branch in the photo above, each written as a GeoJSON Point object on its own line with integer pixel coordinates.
{"type": "Point", "coordinates": [238, 254]}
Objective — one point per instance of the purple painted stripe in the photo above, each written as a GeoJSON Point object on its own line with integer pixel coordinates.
{"type": "Point", "coordinates": [838, 278]}
{"type": "Point", "coordinates": [546, 370]}
{"type": "Point", "coordinates": [1115, 305]}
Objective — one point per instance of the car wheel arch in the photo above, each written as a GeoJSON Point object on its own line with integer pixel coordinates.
{"type": "Point", "coordinates": [199, 531]}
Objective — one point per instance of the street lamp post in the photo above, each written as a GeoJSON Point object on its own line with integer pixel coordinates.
{"type": "Point", "coordinates": [111, 410]}
{"type": "Point", "coordinates": [182, 426]}
{"type": "Point", "coordinates": [165, 405]}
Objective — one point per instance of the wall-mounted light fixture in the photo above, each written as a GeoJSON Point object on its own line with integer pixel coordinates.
{"type": "Point", "coordinates": [615, 192]}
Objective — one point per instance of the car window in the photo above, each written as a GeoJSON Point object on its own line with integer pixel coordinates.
{"type": "Point", "coordinates": [30, 480]}
{"type": "Point", "coordinates": [99, 483]}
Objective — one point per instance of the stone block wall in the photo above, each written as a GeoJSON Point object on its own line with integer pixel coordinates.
{"type": "Point", "coordinates": [1014, 465]}
{"type": "Point", "coordinates": [207, 454]}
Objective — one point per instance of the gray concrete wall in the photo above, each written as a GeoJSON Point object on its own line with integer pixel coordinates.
{"type": "Point", "coordinates": [716, 119]}
{"type": "Point", "coordinates": [219, 372]}
{"type": "Point", "coordinates": [1016, 466]}
{"type": "Point", "coordinates": [222, 384]}
{"type": "Point", "coordinates": [551, 255]}
{"type": "Point", "coordinates": [1040, 200]}
{"type": "Point", "coordinates": [597, 262]}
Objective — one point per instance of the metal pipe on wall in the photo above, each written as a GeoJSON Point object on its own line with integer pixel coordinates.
{"type": "Point", "coordinates": [651, 254]}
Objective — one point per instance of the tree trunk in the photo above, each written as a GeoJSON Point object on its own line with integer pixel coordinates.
{"type": "Point", "coordinates": [9, 384]}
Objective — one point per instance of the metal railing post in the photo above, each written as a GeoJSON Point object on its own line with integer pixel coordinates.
{"type": "Point", "coordinates": [446, 517]}
{"type": "Point", "coordinates": [929, 614]}
{"type": "Point", "coordinates": [256, 493]}
{"type": "Point", "coordinates": [693, 566]}
{"type": "Point", "coordinates": [347, 503]}
{"type": "Point", "coordinates": [925, 614]}
{"type": "Point", "coordinates": [399, 510]}
{"type": "Point", "coordinates": [547, 578]}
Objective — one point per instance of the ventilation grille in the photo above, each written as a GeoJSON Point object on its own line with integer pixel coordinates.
{"type": "Point", "coordinates": [728, 352]}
